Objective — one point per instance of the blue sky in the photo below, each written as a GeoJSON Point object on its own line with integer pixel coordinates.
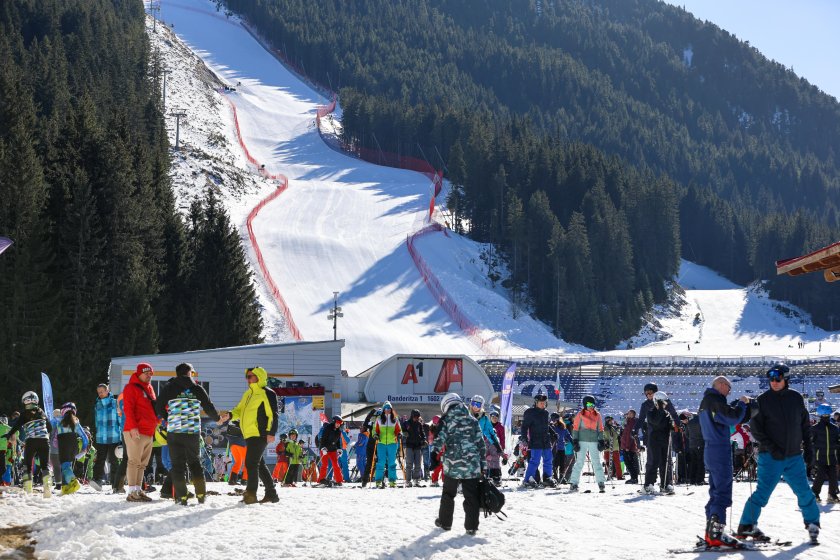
{"type": "Point", "coordinates": [802, 34]}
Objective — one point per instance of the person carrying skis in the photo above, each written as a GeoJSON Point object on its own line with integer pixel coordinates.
{"type": "Point", "coordinates": [257, 415]}
{"type": "Point", "coordinates": [660, 425]}
{"type": "Point", "coordinates": [69, 433]}
{"type": "Point", "coordinates": [108, 421]}
{"type": "Point", "coordinates": [329, 442]}
{"type": "Point", "coordinates": [415, 434]}
{"type": "Point", "coordinates": [588, 437]}
{"type": "Point", "coordinates": [826, 442]}
{"type": "Point", "coordinates": [630, 447]}
{"type": "Point", "coordinates": [537, 435]}
{"type": "Point", "coordinates": [387, 431]}
{"type": "Point", "coordinates": [716, 418]}
{"type": "Point", "coordinates": [34, 427]}
{"type": "Point", "coordinates": [781, 427]}
{"type": "Point", "coordinates": [464, 462]}
{"type": "Point", "coordinates": [294, 452]}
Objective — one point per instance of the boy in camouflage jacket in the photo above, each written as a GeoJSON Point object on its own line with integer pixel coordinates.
{"type": "Point", "coordinates": [464, 462]}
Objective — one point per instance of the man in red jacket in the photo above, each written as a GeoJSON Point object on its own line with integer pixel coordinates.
{"type": "Point", "coordinates": [139, 429]}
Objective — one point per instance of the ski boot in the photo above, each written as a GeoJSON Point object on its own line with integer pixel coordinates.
{"type": "Point", "coordinates": [380, 484]}
{"type": "Point", "coordinates": [668, 490]}
{"type": "Point", "coordinates": [47, 481]}
{"type": "Point", "coordinates": [649, 490]}
{"type": "Point", "coordinates": [751, 532]}
{"type": "Point", "coordinates": [717, 538]}
{"type": "Point", "coordinates": [833, 499]}
{"type": "Point", "coordinates": [548, 481]}
{"type": "Point", "coordinates": [471, 532]}
{"type": "Point", "coordinates": [813, 533]}
{"type": "Point", "coordinates": [270, 497]}
{"type": "Point", "coordinates": [200, 488]}
{"type": "Point", "coordinates": [70, 487]}
{"type": "Point", "coordinates": [573, 488]}
{"type": "Point", "coordinates": [233, 479]}
{"type": "Point", "coordinates": [601, 488]}
{"type": "Point", "coordinates": [439, 525]}
{"type": "Point", "coordinates": [392, 484]}
{"type": "Point", "coordinates": [408, 484]}
{"type": "Point", "coordinates": [27, 484]}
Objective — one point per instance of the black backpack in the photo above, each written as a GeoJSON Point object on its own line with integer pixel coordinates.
{"type": "Point", "coordinates": [490, 498]}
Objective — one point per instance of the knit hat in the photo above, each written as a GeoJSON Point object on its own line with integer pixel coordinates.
{"type": "Point", "coordinates": [143, 367]}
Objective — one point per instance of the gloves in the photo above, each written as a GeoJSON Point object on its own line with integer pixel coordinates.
{"type": "Point", "coordinates": [498, 448]}
{"type": "Point", "coordinates": [602, 445]}
{"type": "Point", "coordinates": [575, 445]}
{"type": "Point", "coordinates": [505, 459]}
{"type": "Point", "coordinates": [516, 450]}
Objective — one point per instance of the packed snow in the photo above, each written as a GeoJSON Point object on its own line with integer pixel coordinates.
{"type": "Point", "coordinates": [342, 226]}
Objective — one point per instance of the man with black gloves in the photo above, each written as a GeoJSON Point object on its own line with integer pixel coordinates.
{"type": "Point", "coordinates": [781, 427]}
{"type": "Point", "coordinates": [660, 424]}
{"type": "Point", "coordinates": [716, 417]}
{"type": "Point", "coordinates": [537, 434]}
{"type": "Point", "coordinates": [642, 425]}
{"type": "Point", "coordinates": [370, 450]}
{"type": "Point", "coordinates": [416, 440]}
{"type": "Point", "coordinates": [179, 404]}
{"type": "Point", "coordinates": [826, 438]}
{"type": "Point", "coordinates": [329, 442]}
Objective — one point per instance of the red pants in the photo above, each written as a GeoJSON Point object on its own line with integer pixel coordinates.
{"type": "Point", "coordinates": [280, 471]}
{"type": "Point", "coordinates": [332, 458]}
{"type": "Point", "coordinates": [616, 464]}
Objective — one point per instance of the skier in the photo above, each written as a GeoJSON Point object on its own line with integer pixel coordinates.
{"type": "Point", "coordinates": [69, 432]}
{"type": "Point", "coordinates": [180, 403]}
{"type": "Point", "coordinates": [415, 434]}
{"type": "Point", "coordinates": [558, 458]}
{"type": "Point", "coordinates": [233, 433]}
{"type": "Point", "coordinates": [437, 456]}
{"type": "Point", "coordinates": [716, 417]}
{"type": "Point", "coordinates": [492, 443]}
{"type": "Point", "coordinates": [495, 460]}
{"type": "Point", "coordinates": [108, 437]}
{"type": "Point", "coordinates": [826, 442]}
{"type": "Point", "coordinates": [361, 452]}
{"type": "Point", "coordinates": [537, 435]}
{"type": "Point", "coordinates": [464, 462]}
{"type": "Point", "coordinates": [660, 424]}
{"type": "Point", "coordinates": [781, 427]}
{"type": "Point", "coordinates": [257, 412]}
{"type": "Point", "coordinates": [329, 442]}
{"type": "Point", "coordinates": [282, 466]}
{"type": "Point", "coordinates": [696, 450]}
{"type": "Point", "coordinates": [294, 452]}
{"type": "Point", "coordinates": [630, 447]}
{"type": "Point", "coordinates": [344, 452]}
{"type": "Point", "coordinates": [35, 429]}
{"type": "Point", "coordinates": [370, 451]}
{"type": "Point", "coordinates": [612, 437]}
{"type": "Point", "coordinates": [387, 430]}
{"type": "Point", "coordinates": [588, 437]}
{"type": "Point", "coordinates": [650, 390]}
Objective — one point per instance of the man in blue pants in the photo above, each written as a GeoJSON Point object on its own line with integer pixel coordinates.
{"type": "Point", "coordinates": [781, 426]}
{"type": "Point", "coordinates": [536, 433]}
{"type": "Point", "coordinates": [716, 416]}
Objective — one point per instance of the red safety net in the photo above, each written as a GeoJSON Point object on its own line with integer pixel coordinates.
{"type": "Point", "coordinates": [282, 185]}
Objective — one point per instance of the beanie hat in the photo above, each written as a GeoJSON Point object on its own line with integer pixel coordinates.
{"type": "Point", "coordinates": [143, 367]}
{"type": "Point", "coordinates": [450, 400]}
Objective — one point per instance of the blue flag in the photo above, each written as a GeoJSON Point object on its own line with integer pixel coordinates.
{"type": "Point", "coordinates": [46, 390]}
{"type": "Point", "coordinates": [5, 243]}
{"type": "Point", "coordinates": [507, 397]}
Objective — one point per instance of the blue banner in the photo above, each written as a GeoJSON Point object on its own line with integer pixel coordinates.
{"type": "Point", "coordinates": [46, 394]}
{"type": "Point", "coordinates": [5, 243]}
{"type": "Point", "coordinates": [507, 397]}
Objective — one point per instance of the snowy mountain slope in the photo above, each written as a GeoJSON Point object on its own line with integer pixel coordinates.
{"type": "Point", "coordinates": [342, 226]}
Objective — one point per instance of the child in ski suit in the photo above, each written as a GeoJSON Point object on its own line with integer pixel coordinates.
{"type": "Point", "coordinates": [35, 428]}
{"type": "Point", "coordinates": [69, 433]}
{"type": "Point", "coordinates": [361, 452]}
{"type": "Point", "coordinates": [294, 452]}
{"type": "Point", "coordinates": [282, 466]}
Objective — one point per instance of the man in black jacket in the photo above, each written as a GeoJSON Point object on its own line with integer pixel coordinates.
{"type": "Point", "coordinates": [660, 425]}
{"type": "Point", "coordinates": [536, 433]}
{"type": "Point", "coordinates": [696, 446]}
{"type": "Point", "coordinates": [329, 442]}
{"type": "Point", "coordinates": [781, 427]}
{"type": "Point", "coordinates": [370, 421]}
{"type": "Point", "coordinates": [651, 389]}
{"type": "Point", "coordinates": [179, 404]}
{"type": "Point", "coordinates": [826, 438]}
{"type": "Point", "coordinates": [414, 432]}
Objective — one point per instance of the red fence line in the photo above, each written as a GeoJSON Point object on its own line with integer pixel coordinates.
{"type": "Point", "coordinates": [446, 302]}
{"type": "Point", "coordinates": [282, 185]}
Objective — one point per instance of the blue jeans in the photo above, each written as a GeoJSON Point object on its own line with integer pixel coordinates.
{"type": "Point", "coordinates": [534, 463]}
{"type": "Point", "coordinates": [770, 471]}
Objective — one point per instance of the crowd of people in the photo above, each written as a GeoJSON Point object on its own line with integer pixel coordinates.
{"type": "Point", "coordinates": [767, 439]}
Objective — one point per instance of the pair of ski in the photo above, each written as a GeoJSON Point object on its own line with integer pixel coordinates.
{"type": "Point", "coordinates": [752, 544]}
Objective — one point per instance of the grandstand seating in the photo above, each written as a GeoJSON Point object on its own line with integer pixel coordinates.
{"type": "Point", "coordinates": [617, 384]}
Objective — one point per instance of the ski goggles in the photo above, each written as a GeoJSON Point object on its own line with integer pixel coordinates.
{"type": "Point", "coordinates": [774, 375]}
{"type": "Point", "coordinates": [477, 404]}
{"type": "Point", "coordinates": [590, 405]}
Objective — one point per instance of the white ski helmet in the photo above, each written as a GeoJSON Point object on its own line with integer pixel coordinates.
{"type": "Point", "coordinates": [30, 397]}
{"type": "Point", "coordinates": [660, 396]}
{"type": "Point", "coordinates": [449, 401]}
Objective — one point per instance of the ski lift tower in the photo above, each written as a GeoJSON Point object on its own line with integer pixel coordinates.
{"type": "Point", "coordinates": [334, 315]}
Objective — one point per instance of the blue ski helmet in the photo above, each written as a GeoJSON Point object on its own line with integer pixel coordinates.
{"type": "Point", "coordinates": [824, 410]}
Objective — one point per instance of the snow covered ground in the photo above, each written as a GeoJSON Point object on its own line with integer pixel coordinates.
{"type": "Point", "coordinates": [350, 523]}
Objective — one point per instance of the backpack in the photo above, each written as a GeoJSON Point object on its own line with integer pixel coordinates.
{"type": "Point", "coordinates": [491, 499]}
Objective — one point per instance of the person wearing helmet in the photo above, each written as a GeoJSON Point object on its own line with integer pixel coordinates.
{"type": "Point", "coordinates": [282, 465]}
{"type": "Point", "coordinates": [35, 429]}
{"type": "Point", "coordinates": [179, 404]}
{"type": "Point", "coordinates": [294, 452]}
{"type": "Point", "coordinates": [69, 433]}
{"type": "Point", "coordinates": [361, 451]}
{"type": "Point", "coordinates": [370, 449]}
{"type": "Point", "coordinates": [826, 443]}
{"type": "Point", "coordinates": [781, 426]}
{"type": "Point", "coordinates": [558, 457]}
{"type": "Point", "coordinates": [612, 455]}
{"type": "Point", "coordinates": [660, 424]}
{"type": "Point", "coordinates": [716, 419]}
{"type": "Point", "coordinates": [496, 460]}
{"type": "Point", "coordinates": [387, 430]}
{"type": "Point", "coordinates": [537, 435]}
{"type": "Point", "coordinates": [464, 462]}
{"type": "Point", "coordinates": [587, 437]}
{"type": "Point", "coordinates": [329, 442]}
{"type": "Point", "coordinates": [492, 443]}
{"type": "Point", "coordinates": [642, 427]}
